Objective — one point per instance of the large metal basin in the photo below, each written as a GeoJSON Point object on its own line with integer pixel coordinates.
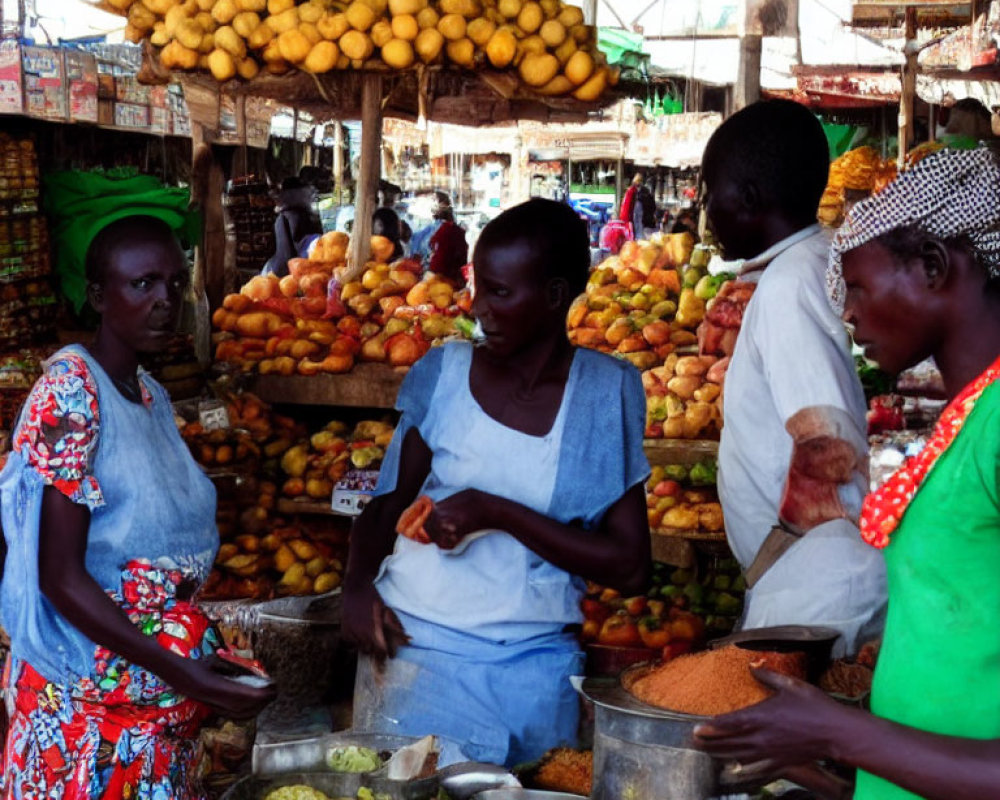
{"type": "Point", "coordinates": [645, 753]}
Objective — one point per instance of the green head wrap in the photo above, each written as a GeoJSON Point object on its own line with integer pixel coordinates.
{"type": "Point", "coordinates": [80, 204]}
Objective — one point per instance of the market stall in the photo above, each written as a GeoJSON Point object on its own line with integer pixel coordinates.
{"type": "Point", "coordinates": [291, 470]}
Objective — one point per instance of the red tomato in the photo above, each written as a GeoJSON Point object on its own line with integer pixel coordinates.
{"type": "Point", "coordinates": [594, 609]}
{"type": "Point", "coordinates": [619, 630]}
{"type": "Point", "coordinates": [676, 647]}
{"type": "Point", "coordinates": [667, 489]}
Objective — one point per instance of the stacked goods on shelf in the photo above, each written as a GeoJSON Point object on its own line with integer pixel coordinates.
{"type": "Point", "coordinates": [681, 609]}
{"type": "Point", "coordinates": [26, 296]}
{"type": "Point", "coordinates": [18, 372]}
{"type": "Point", "coordinates": [264, 464]}
{"type": "Point", "coordinates": [553, 52]}
{"type": "Point", "coordinates": [645, 305]}
{"type": "Point", "coordinates": [176, 367]}
{"type": "Point", "coordinates": [857, 173]}
{"type": "Point", "coordinates": [682, 499]}
{"type": "Point", "coordinates": [307, 323]}
{"type": "Point", "coordinates": [253, 437]}
{"type": "Point", "coordinates": [250, 222]}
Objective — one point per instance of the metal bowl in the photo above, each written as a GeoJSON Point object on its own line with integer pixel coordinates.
{"type": "Point", "coordinates": [333, 784]}
{"type": "Point", "coordinates": [280, 761]}
{"type": "Point", "coordinates": [525, 794]}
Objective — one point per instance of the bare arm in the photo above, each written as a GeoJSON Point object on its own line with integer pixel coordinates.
{"type": "Point", "coordinates": [616, 553]}
{"type": "Point", "coordinates": [64, 580]}
{"type": "Point", "coordinates": [367, 623]}
{"type": "Point", "coordinates": [801, 724]}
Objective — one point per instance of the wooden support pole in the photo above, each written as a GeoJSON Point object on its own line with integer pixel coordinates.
{"type": "Point", "coordinates": [619, 179]}
{"type": "Point", "coordinates": [748, 75]}
{"type": "Point", "coordinates": [338, 161]}
{"type": "Point", "coordinates": [366, 193]}
{"type": "Point", "coordinates": [908, 92]}
{"type": "Point", "coordinates": [243, 162]}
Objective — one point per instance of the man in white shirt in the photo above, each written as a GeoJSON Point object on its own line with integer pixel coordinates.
{"type": "Point", "coordinates": [793, 455]}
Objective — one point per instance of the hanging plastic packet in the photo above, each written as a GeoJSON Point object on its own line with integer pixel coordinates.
{"type": "Point", "coordinates": [478, 334]}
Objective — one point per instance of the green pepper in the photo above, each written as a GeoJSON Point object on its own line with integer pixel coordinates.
{"type": "Point", "coordinates": [676, 472]}
{"type": "Point", "coordinates": [727, 604]}
{"type": "Point", "coordinates": [703, 473]}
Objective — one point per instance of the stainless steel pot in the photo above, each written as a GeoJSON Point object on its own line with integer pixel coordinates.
{"type": "Point", "coordinates": [645, 753]}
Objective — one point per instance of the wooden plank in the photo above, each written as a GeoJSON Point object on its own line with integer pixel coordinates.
{"type": "Point", "coordinates": [679, 451]}
{"type": "Point", "coordinates": [672, 550]}
{"type": "Point", "coordinates": [369, 167]}
{"type": "Point", "coordinates": [366, 386]}
{"type": "Point", "coordinates": [305, 506]}
{"type": "Point", "coordinates": [689, 535]}
{"type": "Point", "coordinates": [747, 88]}
{"type": "Point", "coordinates": [908, 94]}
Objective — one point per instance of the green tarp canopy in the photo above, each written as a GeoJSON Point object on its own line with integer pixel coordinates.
{"type": "Point", "coordinates": [624, 49]}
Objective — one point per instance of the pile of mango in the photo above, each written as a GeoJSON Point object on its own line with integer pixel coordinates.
{"type": "Point", "coordinates": [684, 498]}
{"type": "Point", "coordinates": [262, 555]}
{"type": "Point", "coordinates": [553, 52]}
{"type": "Point", "coordinates": [645, 305]}
{"type": "Point", "coordinates": [313, 466]}
{"type": "Point", "coordinates": [306, 323]}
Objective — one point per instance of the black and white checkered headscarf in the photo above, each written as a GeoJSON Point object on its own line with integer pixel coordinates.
{"type": "Point", "coordinates": [949, 193]}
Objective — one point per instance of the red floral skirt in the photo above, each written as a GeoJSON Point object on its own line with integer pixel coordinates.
{"type": "Point", "coordinates": [121, 734]}
{"type": "Point", "coordinates": [60, 747]}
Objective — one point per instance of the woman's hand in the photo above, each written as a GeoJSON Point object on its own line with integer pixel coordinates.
{"type": "Point", "coordinates": [227, 697]}
{"type": "Point", "coordinates": [369, 624]}
{"type": "Point", "coordinates": [793, 727]}
{"type": "Point", "coordinates": [457, 516]}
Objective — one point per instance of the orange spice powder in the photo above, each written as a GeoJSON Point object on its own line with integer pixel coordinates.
{"type": "Point", "coordinates": [708, 683]}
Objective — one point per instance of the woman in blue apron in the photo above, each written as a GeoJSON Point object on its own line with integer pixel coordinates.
{"type": "Point", "coordinates": [110, 526]}
{"type": "Point", "coordinates": [532, 453]}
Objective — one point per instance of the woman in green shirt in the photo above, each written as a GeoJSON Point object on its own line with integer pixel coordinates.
{"type": "Point", "coordinates": [916, 273]}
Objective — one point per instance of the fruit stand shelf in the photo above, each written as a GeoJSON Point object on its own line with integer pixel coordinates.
{"type": "Point", "coordinates": [302, 506]}
{"type": "Point", "coordinates": [680, 451]}
{"type": "Point", "coordinates": [365, 386]}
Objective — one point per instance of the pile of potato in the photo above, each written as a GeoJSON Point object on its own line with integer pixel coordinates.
{"type": "Point", "coordinates": [684, 397]}
{"type": "Point", "coordinates": [546, 41]}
